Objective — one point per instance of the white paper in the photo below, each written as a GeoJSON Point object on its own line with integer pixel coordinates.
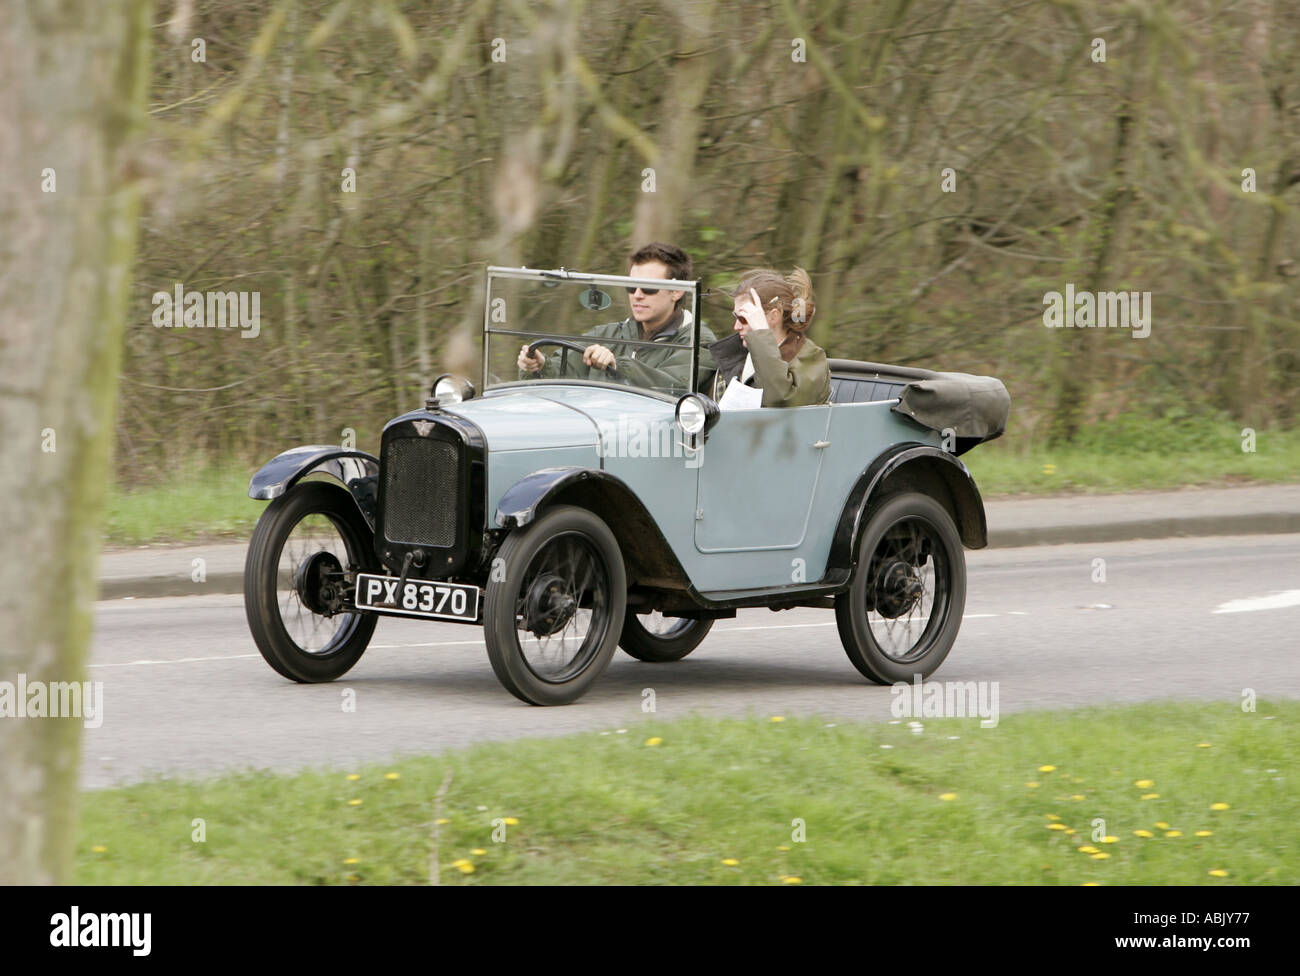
{"type": "Point", "coordinates": [738, 396]}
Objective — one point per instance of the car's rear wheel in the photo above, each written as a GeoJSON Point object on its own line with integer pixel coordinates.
{"type": "Point", "coordinates": [903, 608]}
{"type": "Point", "coordinates": [658, 639]}
{"type": "Point", "coordinates": [553, 611]}
{"type": "Point", "coordinates": [293, 581]}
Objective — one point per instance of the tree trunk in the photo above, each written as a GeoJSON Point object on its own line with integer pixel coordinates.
{"type": "Point", "coordinates": [73, 79]}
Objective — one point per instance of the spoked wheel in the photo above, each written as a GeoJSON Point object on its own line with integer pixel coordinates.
{"type": "Point", "coordinates": [294, 579]}
{"type": "Point", "coordinates": [659, 639]}
{"type": "Point", "coordinates": [902, 610]}
{"type": "Point", "coordinates": [552, 620]}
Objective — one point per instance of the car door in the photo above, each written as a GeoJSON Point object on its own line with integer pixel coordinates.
{"type": "Point", "coordinates": [756, 479]}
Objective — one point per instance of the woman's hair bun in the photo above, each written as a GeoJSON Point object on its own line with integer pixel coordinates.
{"type": "Point", "coordinates": [802, 307]}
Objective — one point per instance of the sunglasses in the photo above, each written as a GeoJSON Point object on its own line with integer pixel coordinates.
{"type": "Point", "coordinates": [644, 291]}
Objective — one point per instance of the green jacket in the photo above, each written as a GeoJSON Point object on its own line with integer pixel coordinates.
{"type": "Point", "coordinates": [803, 381]}
{"type": "Point", "coordinates": [666, 367]}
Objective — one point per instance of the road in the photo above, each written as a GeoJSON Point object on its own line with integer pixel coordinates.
{"type": "Point", "coordinates": [186, 693]}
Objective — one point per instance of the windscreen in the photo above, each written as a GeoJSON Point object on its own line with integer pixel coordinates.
{"type": "Point", "coordinates": [567, 326]}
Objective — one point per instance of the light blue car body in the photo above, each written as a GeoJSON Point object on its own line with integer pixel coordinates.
{"type": "Point", "coordinates": [755, 507]}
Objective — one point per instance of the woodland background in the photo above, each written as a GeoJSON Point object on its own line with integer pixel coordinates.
{"type": "Point", "coordinates": [491, 131]}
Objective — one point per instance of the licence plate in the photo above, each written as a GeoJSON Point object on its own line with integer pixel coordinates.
{"type": "Point", "coordinates": [417, 598]}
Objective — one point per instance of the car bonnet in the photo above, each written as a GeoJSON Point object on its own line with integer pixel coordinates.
{"type": "Point", "coordinates": [526, 419]}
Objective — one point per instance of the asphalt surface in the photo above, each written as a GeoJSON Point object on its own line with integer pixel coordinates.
{"type": "Point", "coordinates": [186, 693]}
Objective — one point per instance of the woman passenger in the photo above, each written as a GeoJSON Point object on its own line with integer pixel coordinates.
{"type": "Point", "coordinates": [769, 349]}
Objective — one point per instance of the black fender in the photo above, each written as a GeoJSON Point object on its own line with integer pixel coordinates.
{"type": "Point", "coordinates": [921, 462]}
{"type": "Point", "coordinates": [356, 471]}
{"type": "Point", "coordinates": [649, 559]}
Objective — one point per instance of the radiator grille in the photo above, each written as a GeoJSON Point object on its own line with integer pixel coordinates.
{"type": "Point", "coordinates": [421, 491]}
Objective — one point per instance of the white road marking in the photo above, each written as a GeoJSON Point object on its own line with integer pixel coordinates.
{"type": "Point", "coordinates": [178, 660]}
{"type": "Point", "coordinates": [1274, 601]}
{"type": "Point", "coordinates": [465, 643]}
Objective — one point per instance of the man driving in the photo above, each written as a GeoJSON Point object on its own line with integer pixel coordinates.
{"type": "Point", "coordinates": [657, 316]}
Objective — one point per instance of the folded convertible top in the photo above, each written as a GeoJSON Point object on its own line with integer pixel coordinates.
{"type": "Point", "coordinates": [975, 408]}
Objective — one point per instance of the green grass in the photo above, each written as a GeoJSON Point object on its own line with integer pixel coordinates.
{"type": "Point", "coordinates": [1133, 454]}
{"type": "Point", "coordinates": [197, 504]}
{"type": "Point", "coordinates": [1125, 454]}
{"type": "Point", "coordinates": [607, 808]}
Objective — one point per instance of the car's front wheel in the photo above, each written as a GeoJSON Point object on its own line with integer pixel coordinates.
{"type": "Point", "coordinates": [303, 545]}
{"type": "Point", "coordinates": [900, 615]}
{"type": "Point", "coordinates": [658, 639]}
{"type": "Point", "coordinates": [553, 609]}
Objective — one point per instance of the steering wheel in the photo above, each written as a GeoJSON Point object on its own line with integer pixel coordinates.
{"type": "Point", "coordinates": [612, 373]}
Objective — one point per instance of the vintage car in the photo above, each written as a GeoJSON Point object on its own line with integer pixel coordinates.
{"type": "Point", "coordinates": [577, 510]}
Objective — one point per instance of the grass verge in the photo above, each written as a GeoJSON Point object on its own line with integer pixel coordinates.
{"type": "Point", "coordinates": [197, 504]}
{"type": "Point", "coordinates": [677, 802]}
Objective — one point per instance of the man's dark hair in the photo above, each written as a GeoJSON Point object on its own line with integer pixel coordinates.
{"type": "Point", "coordinates": [677, 261]}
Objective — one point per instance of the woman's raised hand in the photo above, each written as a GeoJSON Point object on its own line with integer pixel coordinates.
{"type": "Point", "coordinates": [749, 312]}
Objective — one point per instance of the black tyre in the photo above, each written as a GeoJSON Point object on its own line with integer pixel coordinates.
{"type": "Point", "coordinates": [314, 529]}
{"type": "Point", "coordinates": [903, 608]}
{"type": "Point", "coordinates": [553, 614]}
{"type": "Point", "coordinates": [658, 639]}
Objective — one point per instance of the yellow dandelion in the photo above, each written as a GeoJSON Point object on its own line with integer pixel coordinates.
{"type": "Point", "coordinates": [442, 820]}
{"type": "Point", "coordinates": [478, 852]}
{"type": "Point", "coordinates": [947, 796]}
{"type": "Point", "coordinates": [1099, 856]}
{"type": "Point", "coordinates": [1047, 769]}
{"type": "Point", "coordinates": [782, 847]}
{"type": "Point", "coordinates": [1173, 833]}
{"type": "Point", "coordinates": [99, 849]}
{"type": "Point", "coordinates": [1202, 745]}
{"type": "Point", "coordinates": [1203, 833]}
{"type": "Point", "coordinates": [458, 862]}
{"type": "Point", "coordinates": [1057, 826]}
{"type": "Point", "coordinates": [1143, 833]}
{"type": "Point", "coordinates": [1219, 806]}
{"type": "Point", "coordinates": [392, 775]}
{"type": "Point", "coordinates": [354, 802]}
{"type": "Point", "coordinates": [1077, 797]}
{"type": "Point", "coordinates": [777, 718]}
{"type": "Point", "coordinates": [1032, 785]}
{"type": "Point", "coordinates": [1088, 849]}
{"type": "Point", "coordinates": [1069, 831]}
{"type": "Point", "coordinates": [1089, 884]}
{"type": "Point", "coordinates": [1162, 825]}
{"type": "Point", "coordinates": [511, 821]}
{"type": "Point", "coordinates": [465, 868]}
{"type": "Point", "coordinates": [730, 862]}
{"type": "Point", "coordinates": [1144, 784]}
{"type": "Point", "coordinates": [1052, 816]}
{"type": "Point", "coordinates": [654, 740]}
{"type": "Point", "coordinates": [1218, 873]}
{"type": "Point", "coordinates": [353, 777]}
{"type": "Point", "coordinates": [1150, 796]}
{"type": "Point", "coordinates": [1110, 839]}
{"type": "Point", "coordinates": [352, 860]}
{"type": "Point", "coordinates": [791, 879]}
